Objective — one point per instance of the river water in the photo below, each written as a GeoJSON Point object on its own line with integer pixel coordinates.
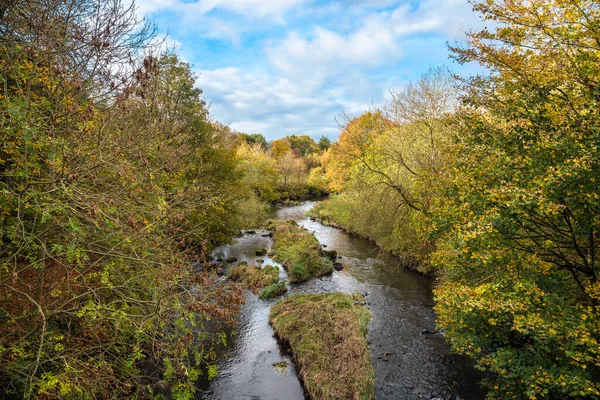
{"type": "Point", "coordinates": [410, 361]}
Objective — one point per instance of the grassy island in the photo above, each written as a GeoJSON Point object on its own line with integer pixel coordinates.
{"type": "Point", "coordinates": [326, 334]}
{"type": "Point", "coordinates": [299, 252]}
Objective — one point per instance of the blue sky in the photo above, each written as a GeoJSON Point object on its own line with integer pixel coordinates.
{"type": "Point", "coordinates": [280, 67]}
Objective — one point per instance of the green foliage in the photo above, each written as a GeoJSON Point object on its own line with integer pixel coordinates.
{"type": "Point", "coordinates": [252, 211]}
{"type": "Point", "coordinates": [517, 228]}
{"type": "Point", "coordinates": [255, 138]}
{"type": "Point", "coordinates": [111, 179]}
{"type": "Point", "coordinates": [259, 171]}
{"type": "Point", "coordinates": [299, 252]}
{"type": "Point", "coordinates": [386, 166]}
{"type": "Point", "coordinates": [326, 333]}
{"type": "Point", "coordinates": [304, 145]}
{"type": "Point", "coordinates": [317, 182]}
{"type": "Point", "coordinates": [324, 143]}
{"type": "Point", "coordinates": [289, 169]}
{"type": "Point", "coordinates": [355, 211]}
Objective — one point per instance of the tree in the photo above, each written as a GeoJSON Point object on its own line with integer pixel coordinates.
{"type": "Point", "coordinates": [303, 144]}
{"type": "Point", "coordinates": [388, 165]}
{"type": "Point", "coordinates": [280, 147]}
{"type": "Point", "coordinates": [353, 142]}
{"type": "Point", "coordinates": [255, 138]}
{"type": "Point", "coordinates": [519, 223]}
{"type": "Point", "coordinates": [260, 171]}
{"type": "Point", "coordinates": [324, 143]}
{"type": "Point", "coordinates": [288, 167]}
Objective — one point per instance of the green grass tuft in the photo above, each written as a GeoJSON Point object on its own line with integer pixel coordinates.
{"type": "Point", "coordinates": [273, 290]}
{"type": "Point", "coordinates": [255, 278]}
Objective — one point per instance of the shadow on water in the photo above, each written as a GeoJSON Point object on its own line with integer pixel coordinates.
{"type": "Point", "coordinates": [409, 361]}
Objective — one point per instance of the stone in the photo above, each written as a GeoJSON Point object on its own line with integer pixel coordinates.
{"type": "Point", "coordinates": [331, 254]}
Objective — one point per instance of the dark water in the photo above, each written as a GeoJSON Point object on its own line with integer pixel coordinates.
{"type": "Point", "coordinates": [408, 363]}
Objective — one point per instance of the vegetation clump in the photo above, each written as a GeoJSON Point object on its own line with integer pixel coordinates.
{"type": "Point", "coordinates": [299, 252]}
{"type": "Point", "coordinates": [326, 334]}
{"type": "Point", "coordinates": [273, 290]}
{"type": "Point", "coordinates": [255, 278]}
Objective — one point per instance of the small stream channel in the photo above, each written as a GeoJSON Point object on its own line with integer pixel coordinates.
{"type": "Point", "coordinates": [409, 361]}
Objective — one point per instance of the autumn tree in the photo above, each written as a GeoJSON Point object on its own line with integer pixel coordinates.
{"type": "Point", "coordinates": [111, 180]}
{"type": "Point", "coordinates": [519, 223]}
{"type": "Point", "coordinates": [354, 140]}
{"type": "Point", "coordinates": [260, 170]}
{"type": "Point", "coordinates": [409, 157]}
{"type": "Point", "coordinates": [387, 165]}
{"type": "Point", "coordinates": [303, 144]}
{"type": "Point", "coordinates": [291, 168]}
{"type": "Point", "coordinates": [280, 147]}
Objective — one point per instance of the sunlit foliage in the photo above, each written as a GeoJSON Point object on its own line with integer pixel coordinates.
{"type": "Point", "coordinates": [519, 221]}
{"type": "Point", "coordinates": [111, 180]}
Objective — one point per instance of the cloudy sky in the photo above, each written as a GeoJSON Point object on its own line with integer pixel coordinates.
{"type": "Point", "coordinates": [280, 67]}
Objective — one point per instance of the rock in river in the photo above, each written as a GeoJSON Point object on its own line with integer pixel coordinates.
{"type": "Point", "coordinates": [331, 254]}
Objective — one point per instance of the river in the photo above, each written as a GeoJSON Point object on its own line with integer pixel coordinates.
{"type": "Point", "coordinates": [410, 361]}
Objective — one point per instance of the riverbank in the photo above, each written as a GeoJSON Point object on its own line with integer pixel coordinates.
{"type": "Point", "coordinates": [326, 334]}
{"type": "Point", "coordinates": [327, 214]}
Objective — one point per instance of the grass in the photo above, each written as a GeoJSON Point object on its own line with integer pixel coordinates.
{"type": "Point", "coordinates": [336, 212]}
{"type": "Point", "coordinates": [273, 290]}
{"type": "Point", "coordinates": [397, 236]}
{"type": "Point", "coordinates": [299, 252]}
{"type": "Point", "coordinates": [326, 333]}
{"type": "Point", "coordinates": [255, 278]}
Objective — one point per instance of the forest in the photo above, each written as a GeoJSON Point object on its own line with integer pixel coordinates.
{"type": "Point", "coordinates": [115, 182]}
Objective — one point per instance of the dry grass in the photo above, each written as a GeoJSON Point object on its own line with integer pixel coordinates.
{"type": "Point", "coordinates": [326, 333]}
{"type": "Point", "coordinates": [255, 278]}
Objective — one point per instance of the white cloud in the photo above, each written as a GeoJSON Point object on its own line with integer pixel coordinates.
{"type": "Point", "coordinates": [316, 71]}
{"type": "Point", "coordinates": [328, 50]}
{"type": "Point", "coordinates": [250, 126]}
{"type": "Point", "coordinates": [258, 102]}
{"type": "Point", "coordinates": [379, 39]}
{"type": "Point", "coordinates": [259, 8]}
